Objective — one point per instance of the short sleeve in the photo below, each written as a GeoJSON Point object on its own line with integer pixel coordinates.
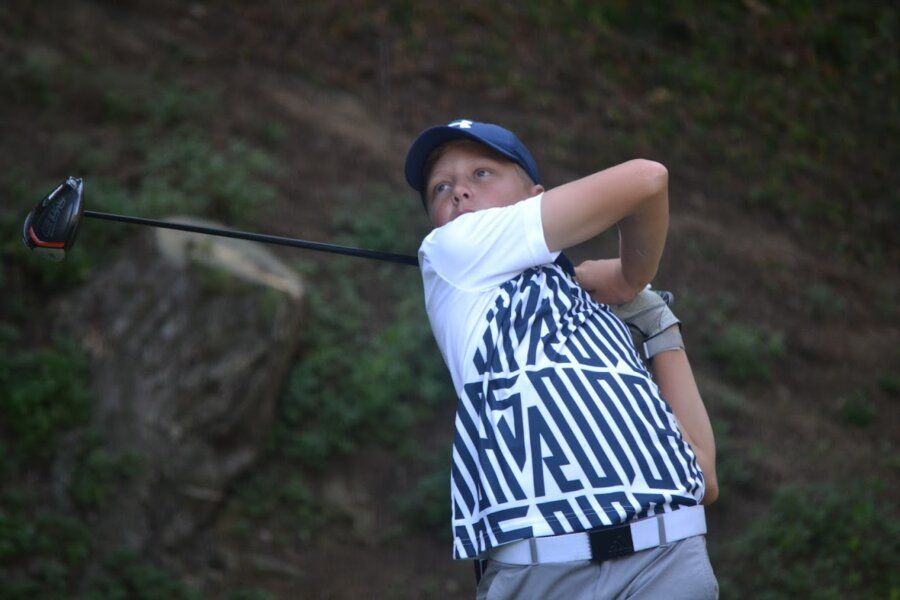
{"type": "Point", "coordinates": [480, 250]}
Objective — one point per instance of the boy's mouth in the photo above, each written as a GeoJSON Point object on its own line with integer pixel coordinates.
{"type": "Point", "coordinates": [461, 213]}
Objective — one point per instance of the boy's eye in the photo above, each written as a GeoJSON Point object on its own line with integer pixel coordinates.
{"type": "Point", "coordinates": [440, 188]}
{"type": "Point", "coordinates": [481, 172]}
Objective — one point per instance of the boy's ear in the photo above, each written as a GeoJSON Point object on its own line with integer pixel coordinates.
{"type": "Point", "coordinates": [537, 189]}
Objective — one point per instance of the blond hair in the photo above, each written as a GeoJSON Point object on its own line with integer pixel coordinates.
{"type": "Point", "coordinates": [441, 150]}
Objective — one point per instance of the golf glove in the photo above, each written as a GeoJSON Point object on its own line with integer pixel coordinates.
{"type": "Point", "coordinates": [650, 317]}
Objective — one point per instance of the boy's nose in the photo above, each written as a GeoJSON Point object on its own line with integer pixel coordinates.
{"type": "Point", "coordinates": [461, 193]}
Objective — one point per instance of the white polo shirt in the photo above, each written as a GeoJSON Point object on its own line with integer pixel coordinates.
{"type": "Point", "coordinates": [559, 427]}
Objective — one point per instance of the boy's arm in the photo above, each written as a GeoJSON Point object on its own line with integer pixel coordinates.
{"type": "Point", "coordinates": [675, 379]}
{"type": "Point", "coordinates": [650, 317]}
{"type": "Point", "coordinates": [633, 195]}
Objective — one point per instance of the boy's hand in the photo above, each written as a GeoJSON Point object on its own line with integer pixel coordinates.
{"type": "Point", "coordinates": [605, 282]}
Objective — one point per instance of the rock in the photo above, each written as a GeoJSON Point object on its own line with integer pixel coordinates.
{"type": "Point", "coordinates": [190, 338]}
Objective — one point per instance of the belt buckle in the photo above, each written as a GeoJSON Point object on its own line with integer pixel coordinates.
{"type": "Point", "coordinates": [610, 542]}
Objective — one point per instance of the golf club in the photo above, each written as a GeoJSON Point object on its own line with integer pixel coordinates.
{"type": "Point", "coordinates": [52, 226]}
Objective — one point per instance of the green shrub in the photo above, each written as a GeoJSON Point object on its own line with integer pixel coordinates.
{"type": "Point", "coordinates": [427, 506]}
{"type": "Point", "coordinates": [747, 354]}
{"type": "Point", "coordinates": [245, 593]}
{"type": "Point", "coordinates": [32, 80]}
{"type": "Point", "coordinates": [44, 393]}
{"type": "Point", "coordinates": [98, 473]}
{"type": "Point", "coordinates": [890, 384]}
{"type": "Point", "coordinates": [50, 535]}
{"type": "Point", "coordinates": [274, 494]}
{"type": "Point", "coordinates": [734, 470]}
{"type": "Point", "coordinates": [183, 173]}
{"type": "Point", "coordinates": [857, 410]}
{"type": "Point", "coordinates": [127, 577]}
{"type": "Point", "coordinates": [823, 301]}
{"type": "Point", "coordinates": [363, 375]}
{"type": "Point", "coordinates": [41, 554]}
{"type": "Point", "coordinates": [818, 541]}
{"type": "Point", "coordinates": [352, 384]}
{"type": "Point", "coordinates": [391, 221]}
{"type": "Point", "coordinates": [174, 103]}
{"type": "Point", "coordinates": [142, 101]}
{"type": "Point", "coordinates": [274, 133]}
{"type": "Point", "coordinates": [318, 411]}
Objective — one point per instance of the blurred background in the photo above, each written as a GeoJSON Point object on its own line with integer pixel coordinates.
{"type": "Point", "coordinates": [183, 418]}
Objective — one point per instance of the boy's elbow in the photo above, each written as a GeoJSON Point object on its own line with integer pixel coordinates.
{"type": "Point", "coordinates": [711, 493]}
{"type": "Point", "coordinates": [652, 167]}
{"type": "Point", "coordinates": [655, 174]}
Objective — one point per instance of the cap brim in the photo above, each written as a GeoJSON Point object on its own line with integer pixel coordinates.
{"type": "Point", "coordinates": [430, 139]}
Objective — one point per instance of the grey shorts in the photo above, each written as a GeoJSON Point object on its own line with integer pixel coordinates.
{"type": "Point", "coordinates": [670, 572]}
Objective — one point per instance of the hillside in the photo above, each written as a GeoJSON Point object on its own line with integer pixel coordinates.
{"type": "Point", "coordinates": [777, 122]}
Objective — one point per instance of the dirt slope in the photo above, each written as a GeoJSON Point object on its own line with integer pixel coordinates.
{"type": "Point", "coordinates": [346, 113]}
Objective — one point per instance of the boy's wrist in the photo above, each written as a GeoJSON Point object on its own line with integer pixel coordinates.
{"type": "Point", "coordinates": [632, 274]}
{"type": "Point", "coordinates": [649, 316]}
{"type": "Point", "coordinates": [605, 280]}
{"type": "Point", "coordinates": [626, 290]}
{"type": "Point", "coordinates": [669, 339]}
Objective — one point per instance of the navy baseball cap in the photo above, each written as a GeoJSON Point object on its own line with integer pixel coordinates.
{"type": "Point", "coordinates": [493, 136]}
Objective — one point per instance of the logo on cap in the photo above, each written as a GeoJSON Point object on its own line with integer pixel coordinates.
{"type": "Point", "coordinates": [461, 124]}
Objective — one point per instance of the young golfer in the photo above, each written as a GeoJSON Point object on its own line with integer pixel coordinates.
{"type": "Point", "coordinates": [571, 475]}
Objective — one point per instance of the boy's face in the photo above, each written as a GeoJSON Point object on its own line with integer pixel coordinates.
{"type": "Point", "coordinates": [468, 177]}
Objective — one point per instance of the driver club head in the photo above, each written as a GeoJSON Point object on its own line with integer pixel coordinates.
{"type": "Point", "coordinates": [51, 227]}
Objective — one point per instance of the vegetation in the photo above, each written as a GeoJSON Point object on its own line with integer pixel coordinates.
{"type": "Point", "coordinates": [822, 541]}
{"type": "Point", "coordinates": [364, 377]}
{"type": "Point", "coordinates": [46, 396]}
{"type": "Point", "coordinates": [98, 473]}
{"type": "Point", "coordinates": [857, 410]}
{"type": "Point", "coordinates": [747, 354]}
{"type": "Point", "coordinates": [248, 594]}
{"type": "Point", "coordinates": [427, 505]}
{"type": "Point", "coordinates": [890, 384]}
{"type": "Point", "coordinates": [823, 301]}
{"type": "Point", "coordinates": [353, 385]}
{"type": "Point", "coordinates": [765, 109]}
{"type": "Point", "coordinates": [41, 553]}
{"type": "Point", "coordinates": [737, 461]}
{"type": "Point", "coordinates": [286, 498]}
{"type": "Point", "coordinates": [128, 577]}
{"type": "Point", "coordinates": [791, 98]}
{"type": "Point", "coordinates": [44, 549]}
{"type": "Point", "coordinates": [185, 174]}
{"type": "Point", "coordinates": [361, 377]}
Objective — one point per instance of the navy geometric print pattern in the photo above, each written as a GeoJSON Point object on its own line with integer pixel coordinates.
{"type": "Point", "coordinates": [564, 429]}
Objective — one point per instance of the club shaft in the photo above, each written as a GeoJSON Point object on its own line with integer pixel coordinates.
{"type": "Point", "coordinates": [258, 237]}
